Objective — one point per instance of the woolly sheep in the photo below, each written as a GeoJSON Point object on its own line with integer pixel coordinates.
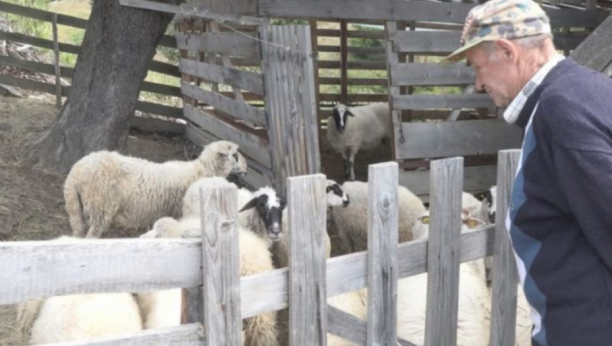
{"type": "Point", "coordinates": [335, 197]}
{"type": "Point", "coordinates": [370, 125]}
{"type": "Point", "coordinates": [351, 222]}
{"type": "Point", "coordinates": [107, 189]}
{"type": "Point", "coordinates": [78, 317]}
{"type": "Point", "coordinates": [254, 258]}
{"type": "Point", "coordinates": [259, 211]}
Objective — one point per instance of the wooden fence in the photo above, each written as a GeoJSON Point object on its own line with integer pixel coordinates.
{"type": "Point", "coordinates": [58, 71]}
{"type": "Point", "coordinates": [279, 138]}
{"type": "Point", "coordinates": [38, 269]}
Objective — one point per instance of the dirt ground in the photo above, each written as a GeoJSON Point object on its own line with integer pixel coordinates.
{"type": "Point", "coordinates": [31, 201]}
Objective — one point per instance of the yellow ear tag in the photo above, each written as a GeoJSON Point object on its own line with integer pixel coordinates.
{"type": "Point", "coordinates": [425, 220]}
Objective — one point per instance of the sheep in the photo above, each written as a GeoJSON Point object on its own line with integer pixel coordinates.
{"type": "Point", "coordinates": [260, 211]}
{"type": "Point", "coordinates": [370, 126]}
{"type": "Point", "coordinates": [351, 221]}
{"type": "Point", "coordinates": [162, 308]}
{"type": "Point", "coordinates": [78, 317]}
{"type": "Point", "coordinates": [108, 189]}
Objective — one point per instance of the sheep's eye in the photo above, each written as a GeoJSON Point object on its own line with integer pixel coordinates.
{"type": "Point", "coordinates": [327, 189]}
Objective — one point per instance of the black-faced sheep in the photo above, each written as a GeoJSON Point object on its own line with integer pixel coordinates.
{"type": "Point", "coordinates": [106, 189]}
{"type": "Point", "coordinates": [259, 211]}
{"type": "Point", "coordinates": [350, 129]}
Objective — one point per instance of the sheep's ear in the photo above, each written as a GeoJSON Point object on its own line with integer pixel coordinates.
{"type": "Point", "coordinates": [349, 113]}
{"type": "Point", "coordinates": [250, 205]}
{"type": "Point", "coordinates": [283, 202]}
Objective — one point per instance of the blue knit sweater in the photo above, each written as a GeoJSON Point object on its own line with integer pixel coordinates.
{"type": "Point", "coordinates": [561, 207]}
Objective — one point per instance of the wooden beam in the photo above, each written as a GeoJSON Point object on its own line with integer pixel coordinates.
{"type": "Point", "coordinates": [193, 10]}
{"type": "Point", "coordinates": [446, 185]}
{"type": "Point", "coordinates": [457, 138]}
{"type": "Point", "coordinates": [417, 74]}
{"type": "Point", "coordinates": [423, 102]}
{"type": "Point", "coordinates": [56, 62]}
{"type": "Point", "coordinates": [595, 51]}
{"type": "Point", "coordinates": [237, 109]}
{"type": "Point", "coordinates": [307, 280]}
{"type": "Point", "coordinates": [246, 80]}
{"type": "Point", "coordinates": [184, 335]}
{"type": "Point", "coordinates": [250, 144]}
{"type": "Point", "coordinates": [504, 270]}
{"type": "Point", "coordinates": [383, 211]}
{"type": "Point", "coordinates": [221, 261]}
{"type": "Point", "coordinates": [223, 43]}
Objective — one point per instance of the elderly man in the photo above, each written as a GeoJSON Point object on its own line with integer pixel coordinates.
{"type": "Point", "coordinates": [559, 219]}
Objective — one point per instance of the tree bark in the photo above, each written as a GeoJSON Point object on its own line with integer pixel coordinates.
{"type": "Point", "coordinates": [118, 45]}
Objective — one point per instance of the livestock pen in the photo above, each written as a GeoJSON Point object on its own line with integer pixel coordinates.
{"type": "Point", "coordinates": [208, 268]}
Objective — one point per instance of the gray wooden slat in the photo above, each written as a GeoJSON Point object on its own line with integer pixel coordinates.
{"type": "Point", "coordinates": [504, 271]}
{"type": "Point", "coordinates": [431, 74]}
{"type": "Point", "coordinates": [47, 268]}
{"type": "Point", "coordinates": [475, 179]}
{"type": "Point", "coordinates": [156, 125]}
{"type": "Point", "coordinates": [383, 212]}
{"type": "Point", "coordinates": [353, 65]}
{"type": "Point", "coordinates": [224, 43]}
{"type": "Point", "coordinates": [225, 104]}
{"type": "Point", "coordinates": [193, 9]}
{"type": "Point", "coordinates": [353, 81]}
{"type": "Point", "coordinates": [184, 335]}
{"type": "Point", "coordinates": [32, 85]}
{"type": "Point", "coordinates": [249, 144]}
{"type": "Point", "coordinates": [422, 102]}
{"type": "Point", "coordinates": [56, 62]}
{"type": "Point", "coordinates": [38, 42]}
{"type": "Point", "coordinates": [307, 275]}
{"type": "Point", "coordinates": [596, 51]}
{"type": "Point", "coordinates": [35, 66]}
{"type": "Point", "coordinates": [397, 137]}
{"type": "Point", "coordinates": [405, 11]}
{"type": "Point", "coordinates": [35, 13]}
{"type": "Point", "coordinates": [220, 258]}
{"type": "Point", "coordinates": [159, 109]}
{"type": "Point", "coordinates": [348, 273]}
{"type": "Point", "coordinates": [458, 138]}
{"type": "Point", "coordinates": [355, 97]}
{"type": "Point", "coordinates": [443, 260]}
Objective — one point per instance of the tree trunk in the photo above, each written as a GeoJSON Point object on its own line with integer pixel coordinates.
{"type": "Point", "coordinates": [111, 66]}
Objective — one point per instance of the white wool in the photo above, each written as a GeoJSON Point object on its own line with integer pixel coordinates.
{"type": "Point", "coordinates": [106, 189]}
{"type": "Point", "coordinates": [352, 221]}
{"type": "Point", "coordinates": [370, 125]}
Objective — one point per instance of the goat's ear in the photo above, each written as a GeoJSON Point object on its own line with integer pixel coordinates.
{"type": "Point", "coordinates": [349, 113]}
{"type": "Point", "coordinates": [250, 205]}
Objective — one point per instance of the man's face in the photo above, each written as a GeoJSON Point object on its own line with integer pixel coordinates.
{"type": "Point", "coordinates": [496, 73]}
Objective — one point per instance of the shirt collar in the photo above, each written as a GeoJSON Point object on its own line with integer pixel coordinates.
{"type": "Point", "coordinates": [514, 109]}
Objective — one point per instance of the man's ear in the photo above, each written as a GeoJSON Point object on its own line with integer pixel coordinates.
{"type": "Point", "coordinates": [508, 49]}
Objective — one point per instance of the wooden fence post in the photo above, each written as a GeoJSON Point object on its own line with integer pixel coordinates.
{"type": "Point", "coordinates": [290, 101]}
{"type": "Point", "coordinates": [446, 186]}
{"type": "Point", "coordinates": [307, 271]}
{"type": "Point", "coordinates": [505, 275]}
{"type": "Point", "coordinates": [58, 82]}
{"type": "Point", "coordinates": [383, 208]}
{"type": "Point", "coordinates": [220, 266]}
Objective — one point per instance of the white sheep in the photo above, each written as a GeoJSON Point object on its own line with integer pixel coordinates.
{"type": "Point", "coordinates": [106, 189]}
{"type": "Point", "coordinates": [78, 317]}
{"type": "Point", "coordinates": [163, 308]}
{"type": "Point", "coordinates": [259, 211]}
{"type": "Point", "coordinates": [352, 223]}
{"type": "Point", "coordinates": [367, 127]}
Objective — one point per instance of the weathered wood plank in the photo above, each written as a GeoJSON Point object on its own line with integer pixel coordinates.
{"type": "Point", "coordinates": [56, 62]}
{"type": "Point", "coordinates": [431, 74]}
{"type": "Point", "coordinates": [422, 102]}
{"type": "Point", "coordinates": [397, 136]}
{"type": "Point", "coordinates": [156, 125]}
{"type": "Point", "coordinates": [46, 16]}
{"type": "Point", "coordinates": [596, 51]}
{"type": "Point", "coordinates": [38, 42]}
{"type": "Point", "coordinates": [193, 10]}
{"type": "Point", "coordinates": [184, 335]}
{"type": "Point", "coordinates": [504, 271]}
{"type": "Point", "coordinates": [32, 85]}
{"type": "Point", "coordinates": [405, 11]}
{"type": "Point", "coordinates": [457, 138]}
{"type": "Point", "coordinates": [355, 97]}
{"type": "Point", "coordinates": [159, 109]}
{"type": "Point", "coordinates": [307, 281]}
{"type": "Point", "coordinates": [353, 65]}
{"type": "Point", "coordinates": [221, 272]}
{"type": "Point", "coordinates": [246, 80]}
{"type": "Point", "coordinates": [226, 105]}
{"type": "Point", "coordinates": [353, 81]}
{"type": "Point", "coordinates": [223, 43]}
{"type": "Point", "coordinates": [163, 89]}
{"type": "Point", "coordinates": [371, 34]}
{"type": "Point", "coordinates": [443, 252]}
{"type": "Point", "coordinates": [383, 211]}
{"type": "Point", "coordinates": [475, 179]}
{"type": "Point", "coordinates": [35, 66]}
{"type": "Point", "coordinates": [48, 268]}
{"type": "Point", "coordinates": [268, 291]}
{"type": "Point", "coordinates": [249, 144]}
